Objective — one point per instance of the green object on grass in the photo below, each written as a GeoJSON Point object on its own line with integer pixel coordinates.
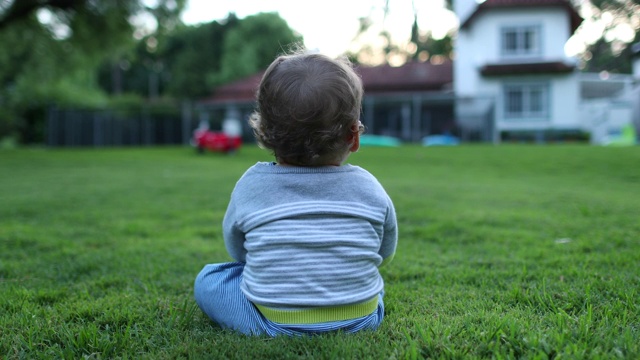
{"type": "Point", "coordinates": [627, 137]}
{"type": "Point", "coordinates": [379, 140]}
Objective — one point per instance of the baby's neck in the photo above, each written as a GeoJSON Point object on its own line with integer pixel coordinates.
{"type": "Point", "coordinates": [282, 163]}
{"type": "Point", "coordinates": [337, 161]}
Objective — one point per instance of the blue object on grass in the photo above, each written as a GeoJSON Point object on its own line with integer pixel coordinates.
{"type": "Point", "coordinates": [378, 140]}
{"type": "Point", "coordinates": [440, 140]}
{"type": "Point", "coordinates": [626, 137]}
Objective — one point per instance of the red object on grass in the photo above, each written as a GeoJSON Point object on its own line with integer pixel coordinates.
{"type": "Point", "coordinates": [215, 141]}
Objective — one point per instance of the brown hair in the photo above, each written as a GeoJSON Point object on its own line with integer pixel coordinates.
{"type": "Point", "coordinates": [306, 106]}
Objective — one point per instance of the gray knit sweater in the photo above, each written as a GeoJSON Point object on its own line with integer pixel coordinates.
{"type": "Point", "coordinates": [310, 236]}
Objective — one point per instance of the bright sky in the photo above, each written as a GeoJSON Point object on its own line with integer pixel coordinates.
{"type": "Point", "coordinates": [330, 25]}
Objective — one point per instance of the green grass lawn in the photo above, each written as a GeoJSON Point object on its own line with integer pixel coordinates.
{"type": "Point", "coordinates": [504, 252]}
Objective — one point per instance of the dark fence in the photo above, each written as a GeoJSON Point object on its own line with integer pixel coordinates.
{"type": "Point", "coordinates": [143, 127]}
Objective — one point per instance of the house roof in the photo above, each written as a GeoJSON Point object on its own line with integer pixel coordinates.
{"type": "Point", "coordinates": [553, 67]}
{"type": "Point", "coordinates": [241, 90]}
{"type": "Point", "coordinates": [410, 77]}
{"type": "Point", "coordinates": [574, 17]}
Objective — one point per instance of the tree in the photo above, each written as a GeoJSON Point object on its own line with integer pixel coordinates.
{"type": "Point", "coordinates": [427, 47]}
{"type": "Point", "coordinates": [39, 71]}
{"type": "Point", "coordinates": [611, 52]}
{"type": "Point", "coordinates": [193, 55]}
{"type": "Point", "coordinates": [176, 64]}
{"type": "Point", "coordinates": [12, 11]}
{"type": "Point", "coordinates": [165, 12]}
{"type": "Point", "coordinates": [421, 46]}
{"type": "Point", "coordinates": [56, 49]}
{"type": "Point", "coordinates": [192, 60]}
{"type": "Point", "coordinates": [628, 9]}
{"type": "Point", "coordinates": [600, 56]}
{"type": "Point", "coordinates": [252, 46]}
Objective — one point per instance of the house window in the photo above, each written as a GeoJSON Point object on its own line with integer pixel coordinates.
{"type": "Point", "coordinates": [521, 40]}
{"type": "Point", "coordinates": [526, 101]}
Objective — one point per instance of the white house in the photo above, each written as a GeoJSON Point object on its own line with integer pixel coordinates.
{"type": "Point", "coordinates": [635, 51]}
{"type": "Point", "coordinates": [510, 80]}
{"type": "Point", "coordinates": [510, 63]}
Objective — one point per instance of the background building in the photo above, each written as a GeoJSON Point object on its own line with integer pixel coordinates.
{"type": "Point", "coordinates": [511, 81]}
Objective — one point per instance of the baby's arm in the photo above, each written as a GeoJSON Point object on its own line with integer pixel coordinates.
{"type": "Point", "coordinates": [233, 237]}
{"type": "Point", "coordinates": [389, 236]}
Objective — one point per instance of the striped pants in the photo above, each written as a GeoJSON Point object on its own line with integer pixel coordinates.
{"type": "Point", "coordinates": [217, 292]}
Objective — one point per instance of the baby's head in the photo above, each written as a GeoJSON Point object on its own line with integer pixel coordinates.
{"type": "Point", "coordinates": [308, 110]}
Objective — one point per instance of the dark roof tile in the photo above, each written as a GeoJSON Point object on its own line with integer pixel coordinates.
{"type": "Point", "coordinates": [240, 90]}
{"type": "Point", "coordinates": [574, 17]}
{"type": "Point", "coordinates": [553, 67]}
{"type": "Point", "coordinates": [412, 76]}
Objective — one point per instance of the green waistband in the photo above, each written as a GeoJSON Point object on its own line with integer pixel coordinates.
{"type": "Point", "coordinates": [320, 314]}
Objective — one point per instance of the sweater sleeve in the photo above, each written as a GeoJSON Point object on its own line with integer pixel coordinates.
{"type": "Point", "coordinates": [389, 236]}
{"type": "Point", "coordinates": [233, 237]}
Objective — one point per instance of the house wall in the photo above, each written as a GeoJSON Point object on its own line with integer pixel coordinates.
{"type": "Point", "coordinates": [480, 44]}
{"type": "Point", "coordinates": [635, 66]}
{"type": "Point", "coordinates": [635, 111]}
{"type": "Point", "coordinates": [563, 100]}
{"type": "Point", "coordinates": [606, 118]}
{"type": "Point", "coordinates": [464, 8]}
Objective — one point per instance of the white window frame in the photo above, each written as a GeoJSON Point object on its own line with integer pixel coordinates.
{"type": "Point", "coordinates": [523, 46]}
{"type": "Point", "coordinates": [534, 102]}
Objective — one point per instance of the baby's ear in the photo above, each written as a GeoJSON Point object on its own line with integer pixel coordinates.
{"type": "Point", "coordinates": [354, 137]}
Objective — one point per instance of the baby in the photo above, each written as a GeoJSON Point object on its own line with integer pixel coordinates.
{"type": "Point", "coordinates": [307, 231]}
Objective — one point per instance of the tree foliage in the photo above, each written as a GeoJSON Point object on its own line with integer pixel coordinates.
{"type": "Point", "coordinates": [252, 46]}
{"type": "Point", "coordinates": [191, 61]}
{"type": "Point", "coordinates": [610, 56]}
{"type": "Point", "coordinates": [175, 64]}
{"type": "Point", "coordinates": [57, 47]}
{"type": "Point", "coordinates": [89, 53]}
{"type": "Point", "coordinates": [427, 47]}
{"type": "Point", "coordinates": [39, 71]}
{"type": "Point", "coordinates": [192, 55]}
{"type": "Point", "coordinates": [610, 52]}
{"type": "Point", "coordinates": [422, 45]}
